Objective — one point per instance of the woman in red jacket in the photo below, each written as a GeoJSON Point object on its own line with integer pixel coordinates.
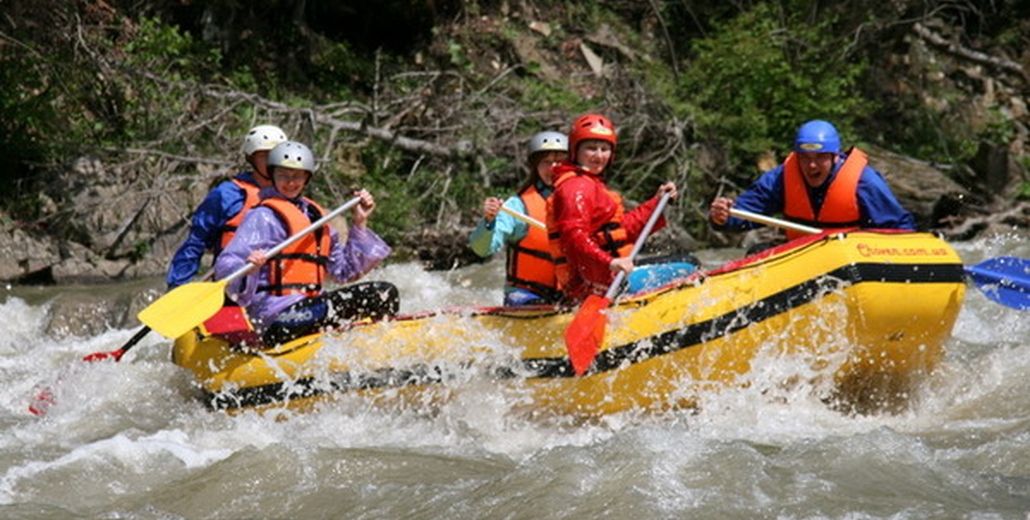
{"type": "Point", "coordinates": [590, 231]}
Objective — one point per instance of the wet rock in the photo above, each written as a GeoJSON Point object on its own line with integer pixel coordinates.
{"type": "Point", "coordinates": [918, 185]}
{"type": "Point", "coordinates": [23, 257]}
{"type": "Point", "coordinates": [75, 314]}
{"type": "Point", "coordinates": [442, 250]}
{"type": "Point", "coordinates": [85, 310]}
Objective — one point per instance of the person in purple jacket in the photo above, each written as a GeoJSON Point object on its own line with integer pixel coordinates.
{"type": "Point", "coordinates": [285, 298]}
{"type": "Point", "coordinates": [818, 185]}
{"type": "Point", "coordinates": [220, 213]}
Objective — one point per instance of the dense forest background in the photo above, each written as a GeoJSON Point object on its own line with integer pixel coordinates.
{"type": "Point", "coordinates": [116, 116]}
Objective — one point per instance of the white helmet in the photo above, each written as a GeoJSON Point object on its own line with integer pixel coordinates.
{"type": "Point", "coordinates": [291, 154]}
{"type": "Point", "coordinates": [549, 141]}
{"type": "Point", "coordinates": [262, 137]}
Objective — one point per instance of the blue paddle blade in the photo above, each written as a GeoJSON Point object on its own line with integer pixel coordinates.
{"type": "Point", "coordinates": [1004, 279]}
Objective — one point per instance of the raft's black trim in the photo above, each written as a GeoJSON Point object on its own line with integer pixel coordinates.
{"type": "Point", "coordinates": [635, 352]}
{"type": "Point", "coordinates": [312, 387]}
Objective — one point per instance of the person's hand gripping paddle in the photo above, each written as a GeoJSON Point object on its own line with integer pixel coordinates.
{"type": "Point", "coordinates": [584, 336]}
{"type": "Point", "coordinates": [182, 308]}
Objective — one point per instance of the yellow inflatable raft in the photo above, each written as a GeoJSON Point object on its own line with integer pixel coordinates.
{"type": "Point", "coordinates": [869, 311]}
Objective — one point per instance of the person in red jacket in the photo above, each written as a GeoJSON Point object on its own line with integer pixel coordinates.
{"type": "Point", "coordinates": [590, 231]}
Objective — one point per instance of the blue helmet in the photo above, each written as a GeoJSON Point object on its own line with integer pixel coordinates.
{"type": "Point", "coordinates": [817, 136]}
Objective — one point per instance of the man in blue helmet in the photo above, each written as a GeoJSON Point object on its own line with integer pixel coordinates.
{"type": "Point", "coordinates": [818, 185]}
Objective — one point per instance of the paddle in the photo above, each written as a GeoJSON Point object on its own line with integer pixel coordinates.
{"type": "Point", "coordinates": [177, 311]}
{"type": "Point", "coordinates": [1004, 279]}
{"type": "Point", "coordinates": [184, 307]}
{"type": "Point", "coordinates": [525, 218]}
{"type": "Point", "coordinates": [44, 396]}
{"type": "Point", "coordinates": [775, 222]}
{"type": "Point", "coordinates": [585, 334]}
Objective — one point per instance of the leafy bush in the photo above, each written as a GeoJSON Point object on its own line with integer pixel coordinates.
{"type": "Point", "coordinates": [761, 74]}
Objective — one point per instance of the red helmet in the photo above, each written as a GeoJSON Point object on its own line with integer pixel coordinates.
{"type": "Point", "coordinates": [590, 126]}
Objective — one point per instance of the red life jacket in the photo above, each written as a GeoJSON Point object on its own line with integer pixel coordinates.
{"type": "Point", "coordinates": [840, 206]}
{"type": "Point", "coordinates": [301, 267]}
{"type": "Point", "coordinates": [608, 233]}
{"type": "Point", "coordinates": [529, 264]}
{"type": "Point", "coordinates": [251, 199]}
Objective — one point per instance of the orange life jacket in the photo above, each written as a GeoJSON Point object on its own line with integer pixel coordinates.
{"type": "Point", "coordinates": [301, 267]}
{"type": "Point", "coordinates": [529, 264]}
{"type": "Point", "coordinates": [251, 199]}
{"type": "Point", "coordinates": [610, 235]}
{"type": "Point", "coordinates": [840, 206]}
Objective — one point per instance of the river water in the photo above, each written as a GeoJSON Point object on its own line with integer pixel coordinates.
{"type": "Point", "coordinates": [129, 440]}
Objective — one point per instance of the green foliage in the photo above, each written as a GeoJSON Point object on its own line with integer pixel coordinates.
{"type": "Point", "coordinates": [748, 73]}
{"type": "Point", "coordinates": [541, 97]}
{"type": "Point", "coordinates": [339, 70]}
{"type": "Point", "coordinates": [27, 120]}
{"type": "Point", "coordinates": [761, 74]}
{"type": "Point", "coordinates": [166, 50]}
{"type": "Point", "coordinates": [935, 126]}
{"type": "Point", "coordinates": [459, 56]}
{"type": "Point", "coordinates": [141, 250]}
{"type": "Point", "coordinates": [1023, 192]}
{"type": "Point", "coordinates": [997, 127]}
{"type": "Point", "coordinates": [408, 194]}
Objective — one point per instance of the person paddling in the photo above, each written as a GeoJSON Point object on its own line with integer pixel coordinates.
{"type": "Point", "coordinates": [818, 185]}
{"type": "Point", "coordinates": [286, 297]}
{"type": "Point", "coordinates": [529, 273]}
{"type": "Point", "coordinates": [591, 233]}
{"type": "Point", "coordinates": [215, 221]}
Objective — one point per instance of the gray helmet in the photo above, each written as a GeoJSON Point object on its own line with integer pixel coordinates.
{"type": "Point", "coordinates": [291, 154]}
{"type": "Point", "coordinates": [262, 137]}
{"type": "Point", "coordinates": [549, 141]}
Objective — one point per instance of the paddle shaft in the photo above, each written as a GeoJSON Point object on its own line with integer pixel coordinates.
{"type": "Point", "coordinates": [775, 222]}
{"type": "Point", "coordinates": [1002, 279]}
{"type": "Point", "coordinates": [639, 244]}
{"type": "Point", "coordinates": [117, 354]}
{"type": "Point", "coordinates": [525, 218]}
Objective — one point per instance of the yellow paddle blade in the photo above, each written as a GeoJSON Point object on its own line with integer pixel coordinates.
{"type": "Point", "coordinates": [185, 307]}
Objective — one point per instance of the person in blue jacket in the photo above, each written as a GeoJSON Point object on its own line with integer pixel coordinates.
{"type": "Point", "coordinates": [818, 185]}
{"type": "Point", "coordinates": [529, 272]}
{"type": "Point", "coordinates": [215, 221]}
{"type": "Point", "coordinates": [285, 297]}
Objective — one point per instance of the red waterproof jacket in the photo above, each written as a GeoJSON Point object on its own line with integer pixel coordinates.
{"type": "Point", "coordinates": [588, 226]}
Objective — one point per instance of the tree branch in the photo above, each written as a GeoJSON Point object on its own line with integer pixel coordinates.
{"type": "Point", "coordinates": [975, 56]}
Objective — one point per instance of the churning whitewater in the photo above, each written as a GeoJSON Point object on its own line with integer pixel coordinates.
{"type": "Point", "coordinates": [130, 439]}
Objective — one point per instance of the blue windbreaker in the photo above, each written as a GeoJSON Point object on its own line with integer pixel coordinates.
{"type": "Point", "coordinates": [220, 205]}
{"type": "Point", "coordinates": [878, 207]}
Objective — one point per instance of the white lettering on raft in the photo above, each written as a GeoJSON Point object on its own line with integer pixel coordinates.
{"type": "Point", "coordinates": [868, 250]}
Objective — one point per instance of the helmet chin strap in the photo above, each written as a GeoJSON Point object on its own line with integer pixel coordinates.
{"type": "Point", "coordinates": [264, 176]}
